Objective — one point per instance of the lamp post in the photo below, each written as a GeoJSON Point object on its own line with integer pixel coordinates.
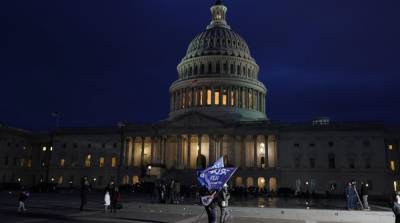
{"type": "Point", "coordinates": [149, 168]}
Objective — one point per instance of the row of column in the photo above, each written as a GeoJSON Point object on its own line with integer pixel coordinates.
{"type": "Point", "coordinates": [182, 148]}
{"type": "Point", "coordinates": [238, 97]}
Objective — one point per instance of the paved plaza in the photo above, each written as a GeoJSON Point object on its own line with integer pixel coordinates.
{"type": "Point", "coordinates": [64, 207]}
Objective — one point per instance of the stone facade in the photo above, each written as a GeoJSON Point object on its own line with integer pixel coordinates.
{"type": "Point", "coordinates": [217, 109]}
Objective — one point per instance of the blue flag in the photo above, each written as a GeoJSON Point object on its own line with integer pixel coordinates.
{"type": "Point", "coordinates": [214, 179]}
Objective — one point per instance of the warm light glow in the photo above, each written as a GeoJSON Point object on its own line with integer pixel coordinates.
{"type": "Point", "coordinates": [392, 165]}
{"type": "Point", "coordinates": [29, 164]}
{"type": "Point", "coordinates": [232, 98]}
{"type": "Point", "coordinates": [101, 162]}
{"type": "Point", "coordinates": [201, 96]}
{"type": "Point", "coordinates": [224, 98]}
{"type": "Point", "coordinates": [208, 97]}
{"type": "Point", "coordinates": [51, 148]}
{"type": "Point", "coordinates": [114, 161]}
{"type": "Point", "coordinates": [198, 148]}
{"type": "Point", "coordinates": [390, 146]}
{"type": "Point", "coordinates": [88, 160]}
{"type": "Point", "coordinates": [19, 179]}
{"type": "Point", "coordinates": [395, 185]}
{"type": "Point", "coordinates": [60, 180]}
{"type": "Point", "coordinates": [44, 148]}
{"type": "Point", "coordinates": [262, 180]}
{"type": "Point", "coordinates": [216, 97]}
{"type": "Point", "coordinates": [62, 162]}
{"type": "Point", "coordinates": [149, 167]}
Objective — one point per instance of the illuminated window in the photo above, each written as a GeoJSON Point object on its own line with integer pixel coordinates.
{"type": "Point", "coordinates": [216, 97]}
{"type": "Point", "coordinates": [101, 162]}
{"type": "Point", "coordinates": [22, 162]}
{"type": "Point", "coordinates": [60, 180]}
{"type": "Point", "coordinates": [250, 99]}
{"type": "Point", "coordinates": [201, 96]}
{"type": "Point", "coordinates": [208, 96]}
{"type": "Point", "coordinates": [29, 163]}
{"type": "Point", "coordinates": [88, 159]}
{"type": "Point", "coordinates": [392, 165]}
{"type": "Point", "coordinates": [390, 147]}
{"type": "Point", "coordinates": [114, 161]}
{"type": "Point", "coordinates": [189, 100]}
{"type": "Point", "coordinates": [224, 97]}
{"type": "Point", "coordinates": [232, 98]}
{"type": "Point", "coordinates": [62, 162]}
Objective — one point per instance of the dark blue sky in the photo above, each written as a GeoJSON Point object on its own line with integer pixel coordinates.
{"type": "Point", "coordinates": [98, 62]}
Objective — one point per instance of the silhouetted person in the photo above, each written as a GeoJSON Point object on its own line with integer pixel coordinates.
{"type": "Point", "coordinates": [84, 192]}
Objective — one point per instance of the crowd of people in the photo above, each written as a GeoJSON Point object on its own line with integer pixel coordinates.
{"type": "Point", "coordinates": [354, 197]}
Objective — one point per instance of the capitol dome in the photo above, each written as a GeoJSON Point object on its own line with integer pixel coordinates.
{"type": "Point", "coordinates": [218, 76]}
{"type": "Point", "coordinates": [218, 41]}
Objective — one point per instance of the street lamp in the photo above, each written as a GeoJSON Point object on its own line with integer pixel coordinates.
{"type": "Point", "coordinates": [149, 168]}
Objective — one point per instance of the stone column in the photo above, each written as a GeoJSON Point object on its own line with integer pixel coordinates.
{"type": "Point", "coordinates": [221, 146]}
{"type": "Point", "coordinates": [133, 150]}
{"type": "Point", "coordinates": [255, 151]}
{"type": "Point", "coordinates": [211, 149]}
{"type": "Point", "coordinates": [212, 97]}
{"type": "Point", "coordinates": [178, 150]}
{"type": "Point", "coordinates": [243, 151]}
{"type": "Point", "coordinates": [266, 151]}
{"type": "Point", "coordinates": [189, 151]}
{"type": "Point", "coordinates": [152, 152]}
{"type": "Point", "coordinates": [164, 150]}
{"type": "Point", "coordinates": [221, 93]}
{"type": "Point", "coordinates": [142, 153]}
{"type": "Point", "coordinates": [228, 99]}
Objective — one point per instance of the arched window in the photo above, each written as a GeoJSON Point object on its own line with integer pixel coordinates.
{"type": "Point", "coordinates": [238, 69]}
{"type": "Point", "coordinates": [101, 161]}
{"type": "Point", "coordinates": [196, 69]}
{"type": "Point", "coordinates": [88, 160]}
{"type": "Point", "coordinates": [209, 96]}
{"type": "Point", "coordinates": [114, 162]}
{"type": "Point", "coordinates": [216, 97]}
{"type": "Point", "coordinates": [232, 69]}
{"type": "Point", "coordinates": [331, 161]}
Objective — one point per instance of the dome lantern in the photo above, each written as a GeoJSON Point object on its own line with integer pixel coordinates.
{"type": "Point", "coordinates": [218, 13]}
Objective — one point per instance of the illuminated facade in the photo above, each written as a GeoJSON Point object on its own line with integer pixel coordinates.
{"type": "Point", "coordinates": [217, 108]}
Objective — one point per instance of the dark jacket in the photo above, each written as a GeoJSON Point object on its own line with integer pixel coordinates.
{"type": "Point", "coordinates": [364, 190]}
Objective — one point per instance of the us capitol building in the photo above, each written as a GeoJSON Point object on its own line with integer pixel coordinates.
{"type": "Point", "coordinates": [217, 108]}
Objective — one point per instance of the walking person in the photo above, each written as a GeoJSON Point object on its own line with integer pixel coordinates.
{"type": "Point", "coordinates": [84, 192]}
{"type": "Point", "coordinates": [23, 195]}
{"type": "Point", "coordinates": [223, 198]}
{"type": "Point", "coordinates": [107, 201]}
{"type": "Point", "coordinates": [396, 208]}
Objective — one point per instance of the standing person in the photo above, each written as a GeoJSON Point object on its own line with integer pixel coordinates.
{"type": "Point", "coordinates": [364, 194]}
{"type": "Point", "coordinates": [172, 191]}
{"type": "Point", "coordinates": [208, 201]}
{"type": "Point", "coordinates": [107, 201]}
{"type": "Point", "coordinates": [396, 208]}
{"type": "Point", "coordinates": [350, 195]}
{"type": "Point", "coordinates": [23, 195]}
{"type": "Point", "coordinates": [114, 196]}
{"type": "Point", "coordinates": [84, 192]}
{"type": "Point", "coordinates": [223, 198]}
{"type": "Point", "coordinates": [177, 192]}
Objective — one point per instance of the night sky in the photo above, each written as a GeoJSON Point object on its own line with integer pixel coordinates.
{"type": "Point", "coordinates": [99, 62]}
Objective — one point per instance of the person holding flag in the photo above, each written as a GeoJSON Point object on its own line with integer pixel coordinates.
{"type": "Point", "coordinates": [212, 180]}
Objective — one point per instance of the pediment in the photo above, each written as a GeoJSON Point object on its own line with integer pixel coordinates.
{"type": "Point", "coordinates": [196, 119]}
